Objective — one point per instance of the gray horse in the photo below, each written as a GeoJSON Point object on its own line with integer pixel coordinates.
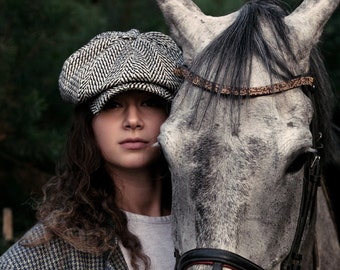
{"type": "Point", "coordinates": [247, 136]}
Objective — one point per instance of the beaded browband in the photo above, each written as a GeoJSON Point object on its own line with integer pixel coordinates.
{"type": "Point", "coordinates": [252, 91]}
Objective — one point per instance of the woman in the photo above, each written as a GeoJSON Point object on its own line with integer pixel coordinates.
{"type": "Point", "coordinates": [108, 207]}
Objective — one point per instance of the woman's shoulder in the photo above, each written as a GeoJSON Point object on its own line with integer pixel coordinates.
{"type": "Point", "coordinates": [54, 254]}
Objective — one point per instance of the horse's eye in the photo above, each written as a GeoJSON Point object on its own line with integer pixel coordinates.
{"type": "Point", "coordinates": [297, 164]}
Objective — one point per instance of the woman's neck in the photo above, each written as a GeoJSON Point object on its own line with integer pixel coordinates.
{"type": "Point", "coordinates": [138, 192]}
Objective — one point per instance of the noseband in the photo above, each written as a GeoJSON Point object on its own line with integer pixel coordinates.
{"type": "Point", "coordinates": [218, 258]}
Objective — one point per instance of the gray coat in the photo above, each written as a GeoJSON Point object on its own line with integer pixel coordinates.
{"type": "Point", "coordinates": [57, 254]}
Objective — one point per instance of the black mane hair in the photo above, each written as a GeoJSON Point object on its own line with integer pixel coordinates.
{"type": "Point", "coordinates": [227, 61]}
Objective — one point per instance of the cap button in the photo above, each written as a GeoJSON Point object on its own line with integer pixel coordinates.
{"type": "Point", "coordinates": [132, 34]}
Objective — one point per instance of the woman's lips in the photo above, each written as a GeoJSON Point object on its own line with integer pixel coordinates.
{"type": "Point", "coordinates": [134, 144]}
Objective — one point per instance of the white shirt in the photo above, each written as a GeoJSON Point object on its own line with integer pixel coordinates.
{"type": "Point", "coordinates": [154, 234]}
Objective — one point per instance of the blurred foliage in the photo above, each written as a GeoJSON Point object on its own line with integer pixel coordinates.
{"type": "Point", "coordinates": [35, 38]}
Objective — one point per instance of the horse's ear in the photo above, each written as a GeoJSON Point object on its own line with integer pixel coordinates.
{"type": "Point", "coordinates": [190, 27]}
{"type": "Point", "coordinates": [308, 20]}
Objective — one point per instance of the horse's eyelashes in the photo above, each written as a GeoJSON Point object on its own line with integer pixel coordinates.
{"type": "Point", "coordinates": [298, 162]}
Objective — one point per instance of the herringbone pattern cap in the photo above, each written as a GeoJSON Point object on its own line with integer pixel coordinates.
{"type": "Point", "coordinates": [113, 62]}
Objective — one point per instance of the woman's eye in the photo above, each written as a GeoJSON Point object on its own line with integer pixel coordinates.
{"type": "Point", "coordinates": [112, 104]}
{"type": "Point", "coordinates": [154, 102]}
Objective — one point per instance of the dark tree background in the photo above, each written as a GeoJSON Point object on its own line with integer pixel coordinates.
{"type": "Point", "coordinates": [35, 39]}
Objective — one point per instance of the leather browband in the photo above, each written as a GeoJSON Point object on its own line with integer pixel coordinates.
{"type": "Point", "coordinates": [252, 91]}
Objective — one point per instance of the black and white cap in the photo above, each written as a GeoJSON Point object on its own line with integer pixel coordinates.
{"type": "Point", "coordinates": [114, 62]}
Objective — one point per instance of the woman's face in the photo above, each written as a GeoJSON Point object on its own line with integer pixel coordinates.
{"type": "Point", "coordinates": [127, 128]}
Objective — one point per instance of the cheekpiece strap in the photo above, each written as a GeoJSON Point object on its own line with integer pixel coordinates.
{"type": "Point", "coordinates": [252, 91]}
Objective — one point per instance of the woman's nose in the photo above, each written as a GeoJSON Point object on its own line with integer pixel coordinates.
{"type": "Point", "coordinates": [133, 118]}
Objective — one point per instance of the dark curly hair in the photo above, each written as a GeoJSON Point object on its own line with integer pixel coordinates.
{"type": "Point", "coordinates": [78, 203]}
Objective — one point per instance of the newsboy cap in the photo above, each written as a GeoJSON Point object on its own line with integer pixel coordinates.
{"type": "Point", "coordinates": [114, 62]}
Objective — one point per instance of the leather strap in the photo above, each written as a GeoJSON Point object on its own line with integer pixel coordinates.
{"type": "Point", "coordinates": [252, 91]}
{"type": "Point", "coordinates": [217, 258]}
{"type": "Point", "coordinates": [311, 182]}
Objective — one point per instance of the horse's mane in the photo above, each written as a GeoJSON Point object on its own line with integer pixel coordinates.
{"type": "Point", "coordinates": [227, 61]}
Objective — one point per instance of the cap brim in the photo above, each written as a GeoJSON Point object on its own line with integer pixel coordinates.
{"type": "Point", "coordinates": [99, 102]}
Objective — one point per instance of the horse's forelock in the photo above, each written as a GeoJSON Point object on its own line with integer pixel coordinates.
{"type": "Point", "coordinates": [227, 59]}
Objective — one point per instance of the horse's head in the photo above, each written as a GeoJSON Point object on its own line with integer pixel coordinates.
{"type": "Point", "coordinates": [237, 160]}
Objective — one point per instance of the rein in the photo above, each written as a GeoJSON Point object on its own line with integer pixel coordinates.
{"type": "Point", "coordinates": [218, 258]}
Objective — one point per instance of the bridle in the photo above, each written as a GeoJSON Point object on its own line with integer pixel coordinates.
{"type": "Point", "coordinates": [218, 258]}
